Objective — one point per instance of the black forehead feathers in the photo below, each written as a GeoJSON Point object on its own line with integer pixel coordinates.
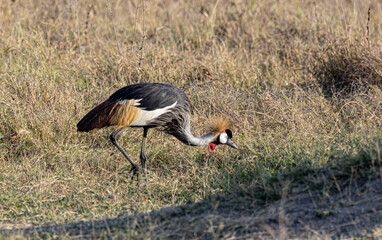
{"type": "Point", "coordinates": [229, 133]}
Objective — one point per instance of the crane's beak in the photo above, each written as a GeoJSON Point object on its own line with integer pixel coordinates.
{"type": "Point", "coordinates": [231, 144]}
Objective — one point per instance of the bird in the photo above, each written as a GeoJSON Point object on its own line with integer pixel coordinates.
{"type": "Point", "coordinates": [153, 105]}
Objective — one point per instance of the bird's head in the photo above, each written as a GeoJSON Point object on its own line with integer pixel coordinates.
{"type": "Point", "coordinates": [223, 138]}
{"type": "Point", "coordinates": [220, 127]}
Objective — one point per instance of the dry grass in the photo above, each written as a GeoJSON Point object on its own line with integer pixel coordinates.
{"type": "Point", "coordinates": [339, 200]}
{"type": "Point", "coordinates": [276, 68]}
{"type": "Point", "coordinates": [350, 69]}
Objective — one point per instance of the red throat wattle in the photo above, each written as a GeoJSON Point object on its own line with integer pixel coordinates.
{"type": "Point", "coordinates": [211, 146]}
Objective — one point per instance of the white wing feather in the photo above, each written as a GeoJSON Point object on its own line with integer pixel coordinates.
{"type": "Point", "coordinates": [146, 116]}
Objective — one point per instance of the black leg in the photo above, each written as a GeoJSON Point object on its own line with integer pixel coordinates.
{"type": "Point", "coordinates": [143, 152]}
{"type": "Point", "coordinates": [113, 136]}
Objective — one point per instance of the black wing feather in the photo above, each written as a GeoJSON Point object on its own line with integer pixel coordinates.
{"type": "Point", "coordinates": [153, 95]}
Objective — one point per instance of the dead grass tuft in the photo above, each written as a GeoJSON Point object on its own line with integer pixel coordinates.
{"type": "Point", "coordinates": [346, 69]}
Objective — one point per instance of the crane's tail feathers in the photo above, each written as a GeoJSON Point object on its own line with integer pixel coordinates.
{"type": "Point", "coordinates": [98, 117]}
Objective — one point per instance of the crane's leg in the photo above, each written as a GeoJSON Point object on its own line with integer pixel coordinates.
{"type": "Point", "coordinates": [113, 138]}
{"type": "Point", "coordinates": [143, 148]}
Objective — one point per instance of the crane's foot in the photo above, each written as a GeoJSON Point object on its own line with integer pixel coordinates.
{"type": "Point", "coordinates": [136, 172]}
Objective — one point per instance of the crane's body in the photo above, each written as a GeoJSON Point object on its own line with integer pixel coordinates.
{"type": "Point", "coordinates": [151, 105]}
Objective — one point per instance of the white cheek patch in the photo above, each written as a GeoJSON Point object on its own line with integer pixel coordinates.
{"type": "Point", "coordinates": [223, 138]}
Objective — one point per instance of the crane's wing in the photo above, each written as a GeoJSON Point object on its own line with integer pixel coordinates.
{"type": "Point", "coordinates": [150, 96]}
{"type": "Point", "coordinates": [145, 104]}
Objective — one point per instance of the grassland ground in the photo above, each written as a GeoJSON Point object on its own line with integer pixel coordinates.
{"type": "Point", "coordinates": [301, 80]}
{"type": "Point", "coordinates": [340, 200]}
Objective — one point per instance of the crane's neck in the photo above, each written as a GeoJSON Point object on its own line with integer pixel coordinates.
{"type": "Point", "coordinates": [186, 137]}
{"type": "Point", "coordinates": [190, 139]}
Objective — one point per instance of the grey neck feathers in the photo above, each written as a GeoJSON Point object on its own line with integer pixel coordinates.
{"type": "Point", "coordinates": [191, 140]}
{"type": "Point", "coordinates": [186, 137]}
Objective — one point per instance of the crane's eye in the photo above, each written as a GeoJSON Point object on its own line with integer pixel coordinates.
{"type": "Point", "coordinates": [229, 133]}
{"type": "Point", "coordinates": [223, 138]}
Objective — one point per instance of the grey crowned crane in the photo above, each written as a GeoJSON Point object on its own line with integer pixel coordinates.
{"type": "Point", "coordinates": [150, 105]}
